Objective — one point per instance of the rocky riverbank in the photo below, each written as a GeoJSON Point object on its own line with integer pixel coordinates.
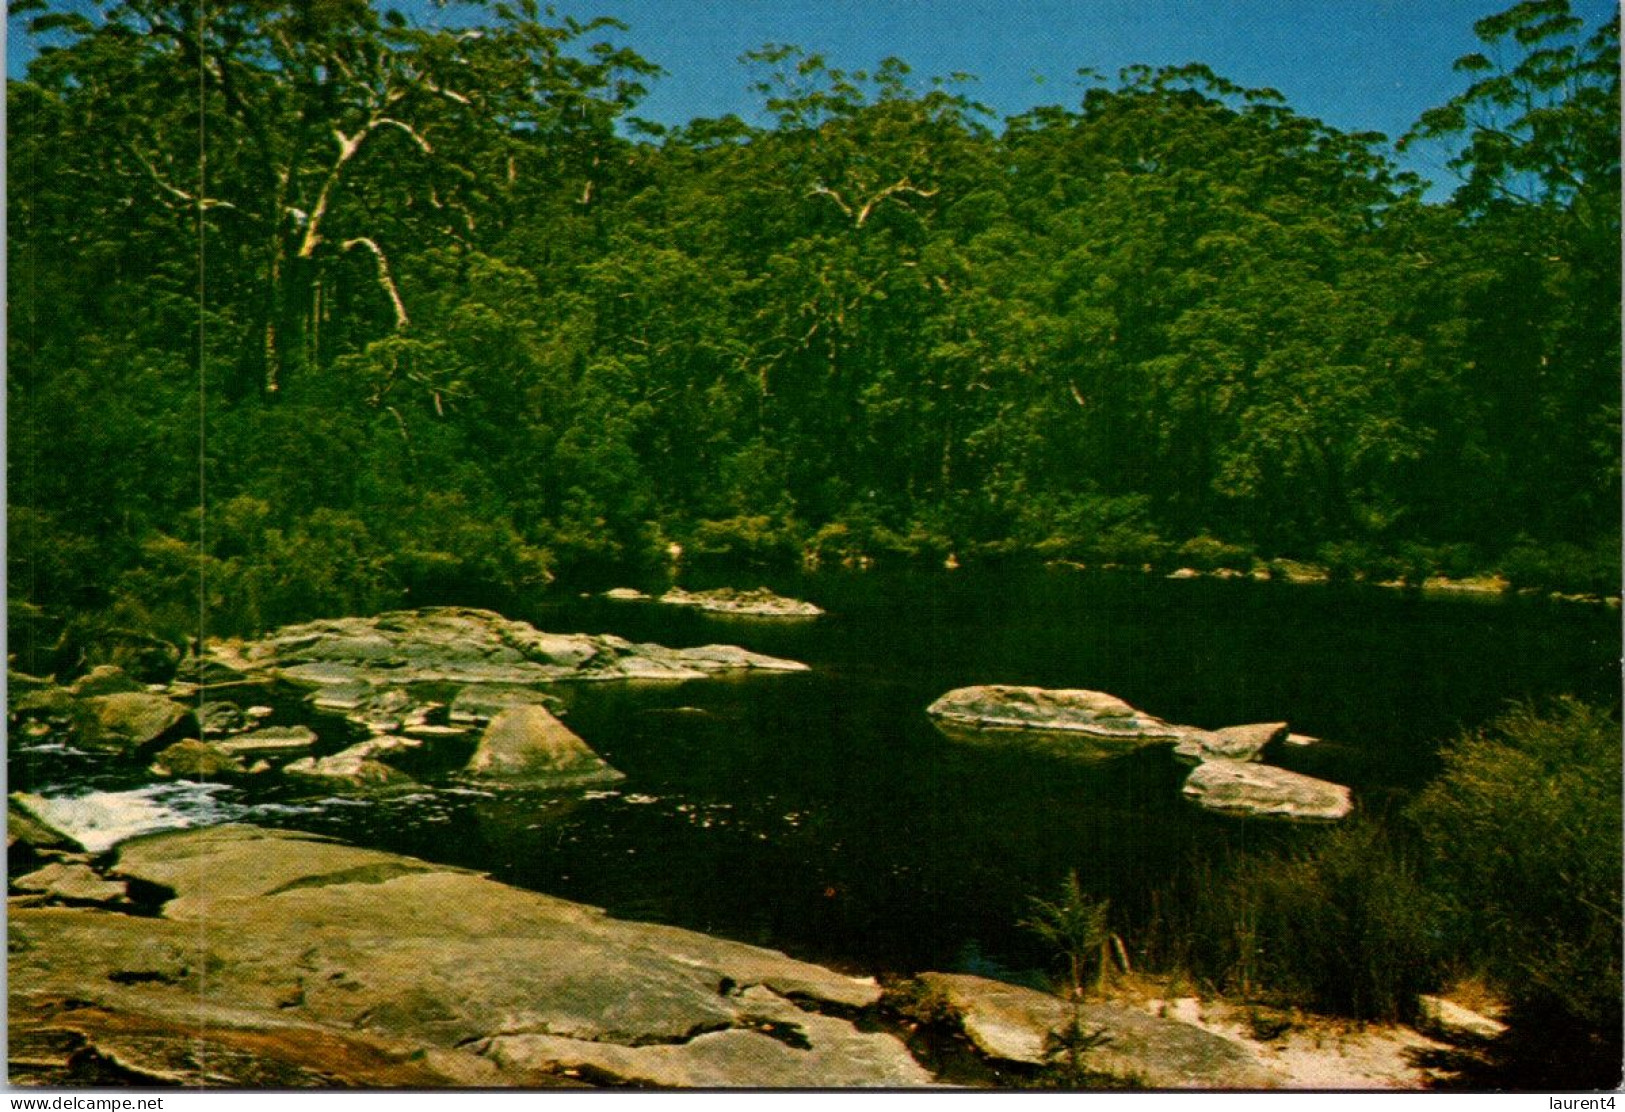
{"type": "Point", "coordinates": [240, 957]}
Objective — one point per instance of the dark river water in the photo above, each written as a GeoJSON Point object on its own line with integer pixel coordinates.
{"type": "Point", "coordinates": [824, 815]}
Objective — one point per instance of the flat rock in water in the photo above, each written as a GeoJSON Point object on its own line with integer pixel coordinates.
{"type": "Point", "coordinates": [1094, 713]}
{"type": "Point", "coordinates": [444, 967]}
{"type": "Point", "coordinates": [757, 603]}
{"type": "Point", "coordinates": [527, 743]}
{"type": "Point", "coordinates": [1011, 1023]}
{"type": "Point", "coordinates": [356, 769]}
{"type": "Point", "coordinates": [1242, 788]}
{"type": "Point", "coordinates": [270, 741]}
{"type": "Point", "coordinates": [466, 646]}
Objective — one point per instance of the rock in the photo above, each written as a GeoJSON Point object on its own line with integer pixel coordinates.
{"type": "Point", "coordinates": [18, 683]}
{"type": "Point", "coordinates": [1300, 739]}
{"type": "Point", "coordinates": [1035, 708]}
{"type": "Point", "coordinates": [193, 758]}
{"type": "Point", "coordinates": [71, 883]}
{"type": "Point", "coordinates": [758, 603]}
{"type": "Point", "coordinates": [341, 948]}
{"type": "Point", "coordinates": [147, 658]}
{"type": "Point", "coordinates": [352, 769]}
{"type": "Point", "coordinates": [801, 1050]}
{"type": "Point", "coordinates": [1010, 1023]}
{"type": "Point", "coordinates": [28, 832]}
{"type": "Point", "coordinates": [272, 740]}
{"type": "Point", "coordinates": [484, 702]}
{"type": "Point", "coordinates": [131, 720]}
{"type": "Point", "coordinates": [1454, 1023]}
{"type": "Point", "coordinates": [1236, 743]}
{"type": "Point", "coordinates": [1240, 788]}
{"type": "Point", "coordinates": [625, 594]}
{"type": "Point", "coordinates": [206, 672]}
{"type": "Point", "coordinates": [1184, 573]}
{"type": "Point", "coordinates": [528, 743]}
{"type": "Point", "coordinates": [387, 711]}
{"type": "Point", "coordinates": [384, 745]}
{"type": "Point", "coordinates": [104, 679]}
{"type": "Point", "coordinates": [217, 719]}
{"type": "Point", "coordinates": [448, 644]}
{"type": "Point", "coordinates": [49, 702]}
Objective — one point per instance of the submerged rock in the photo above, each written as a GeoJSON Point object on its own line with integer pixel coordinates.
{"type": "Point", "coordinates": [465, 646]}
{"type": "Point", "coordinates": [316, 951]}
{"type": "Point", "coordinates": [527, 743]}
{"type": "Point", "coordinates": [1241, 788]}
{"type": "Point", "coordinates": [1036, 708]}
{"type": "Point", "coordinates": [1010, 1023]}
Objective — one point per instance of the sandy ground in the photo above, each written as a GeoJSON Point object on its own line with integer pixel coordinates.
{"type": "Point", "coordinates": [1313, 1052]}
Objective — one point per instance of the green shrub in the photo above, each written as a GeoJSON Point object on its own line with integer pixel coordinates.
{"type": "Point", "coordinates": [757, 540]}
{"type": "Point", "coordinates": [1342, 925]}
{"type": "Point", "coordinates": [1350, 560]}
{"type": "Point", "coordinates": [1564, 567]}
{"type": "Point", "coordinates": [1093, 528]}
{"type": "Point", "coordinates": [1523, 842]}
{"type": "Point", "coordinates": [1207, 553]}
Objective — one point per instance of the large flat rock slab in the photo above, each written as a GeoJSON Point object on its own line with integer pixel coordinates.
{"type": "Point", "coordinates": [1010, 1023]}
{"type": "Point", "coordinates": [1092, 713]}
{"type": "Point", "coordinates": [1256, 790]}
{"type": "Point", "coordinates": [273, 926]}
{"type": "Point", "coordinates": [461, 645]}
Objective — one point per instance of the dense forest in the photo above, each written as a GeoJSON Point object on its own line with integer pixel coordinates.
{"type": "Point", "coordinates": [331, 310]}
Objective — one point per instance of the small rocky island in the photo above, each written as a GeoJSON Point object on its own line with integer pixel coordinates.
{"type": "Point", "coordinates": [755, 603]}
{"type": "Point", "coordinates": [1093, 724]}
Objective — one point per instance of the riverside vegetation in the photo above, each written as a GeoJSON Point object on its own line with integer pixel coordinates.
{"type": "Point", "coordinates": [446, 316]}
{"type": "Point", "coordinates": [444, 321]}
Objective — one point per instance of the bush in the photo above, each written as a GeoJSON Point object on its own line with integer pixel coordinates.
{"type": "Point", "coordinates": [1523, 841]}
{"type": "Point", "coordinates": [751, 540]}
{"type": "Point", "coordinates": [1564, 567]}
{"type": "Point", "coordinates": [1207, 553]}
{"type": "Point", "coordinates": [1093, 528]}
{"type": "Point", "coordinates": [1341, 926]}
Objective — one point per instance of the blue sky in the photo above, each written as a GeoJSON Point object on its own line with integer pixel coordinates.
{"type": "Point", "coordinates": [1361, 65]}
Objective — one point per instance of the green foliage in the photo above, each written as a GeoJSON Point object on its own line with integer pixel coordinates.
{"type": "Point", "coordinates": [747, 541]}
{"type": "Point", "coordinates": [1207, 553]}
{"type": "Point", "coordinates": [1079, 929]}
{"type": "Point", "coordinates": [1343, 925]}
{"type": "Point", "coordinates": [1523, 841]}
{"type": "Point", "coordinates": [464, 327]}
{"type": "Point", "coordinates": [1565, 567]}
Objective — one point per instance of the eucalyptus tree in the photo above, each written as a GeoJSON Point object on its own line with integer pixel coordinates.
{"type": "Point", "coordinates": [307, 145]}
{"type": "Point", "coordinates": [1534, 268]}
